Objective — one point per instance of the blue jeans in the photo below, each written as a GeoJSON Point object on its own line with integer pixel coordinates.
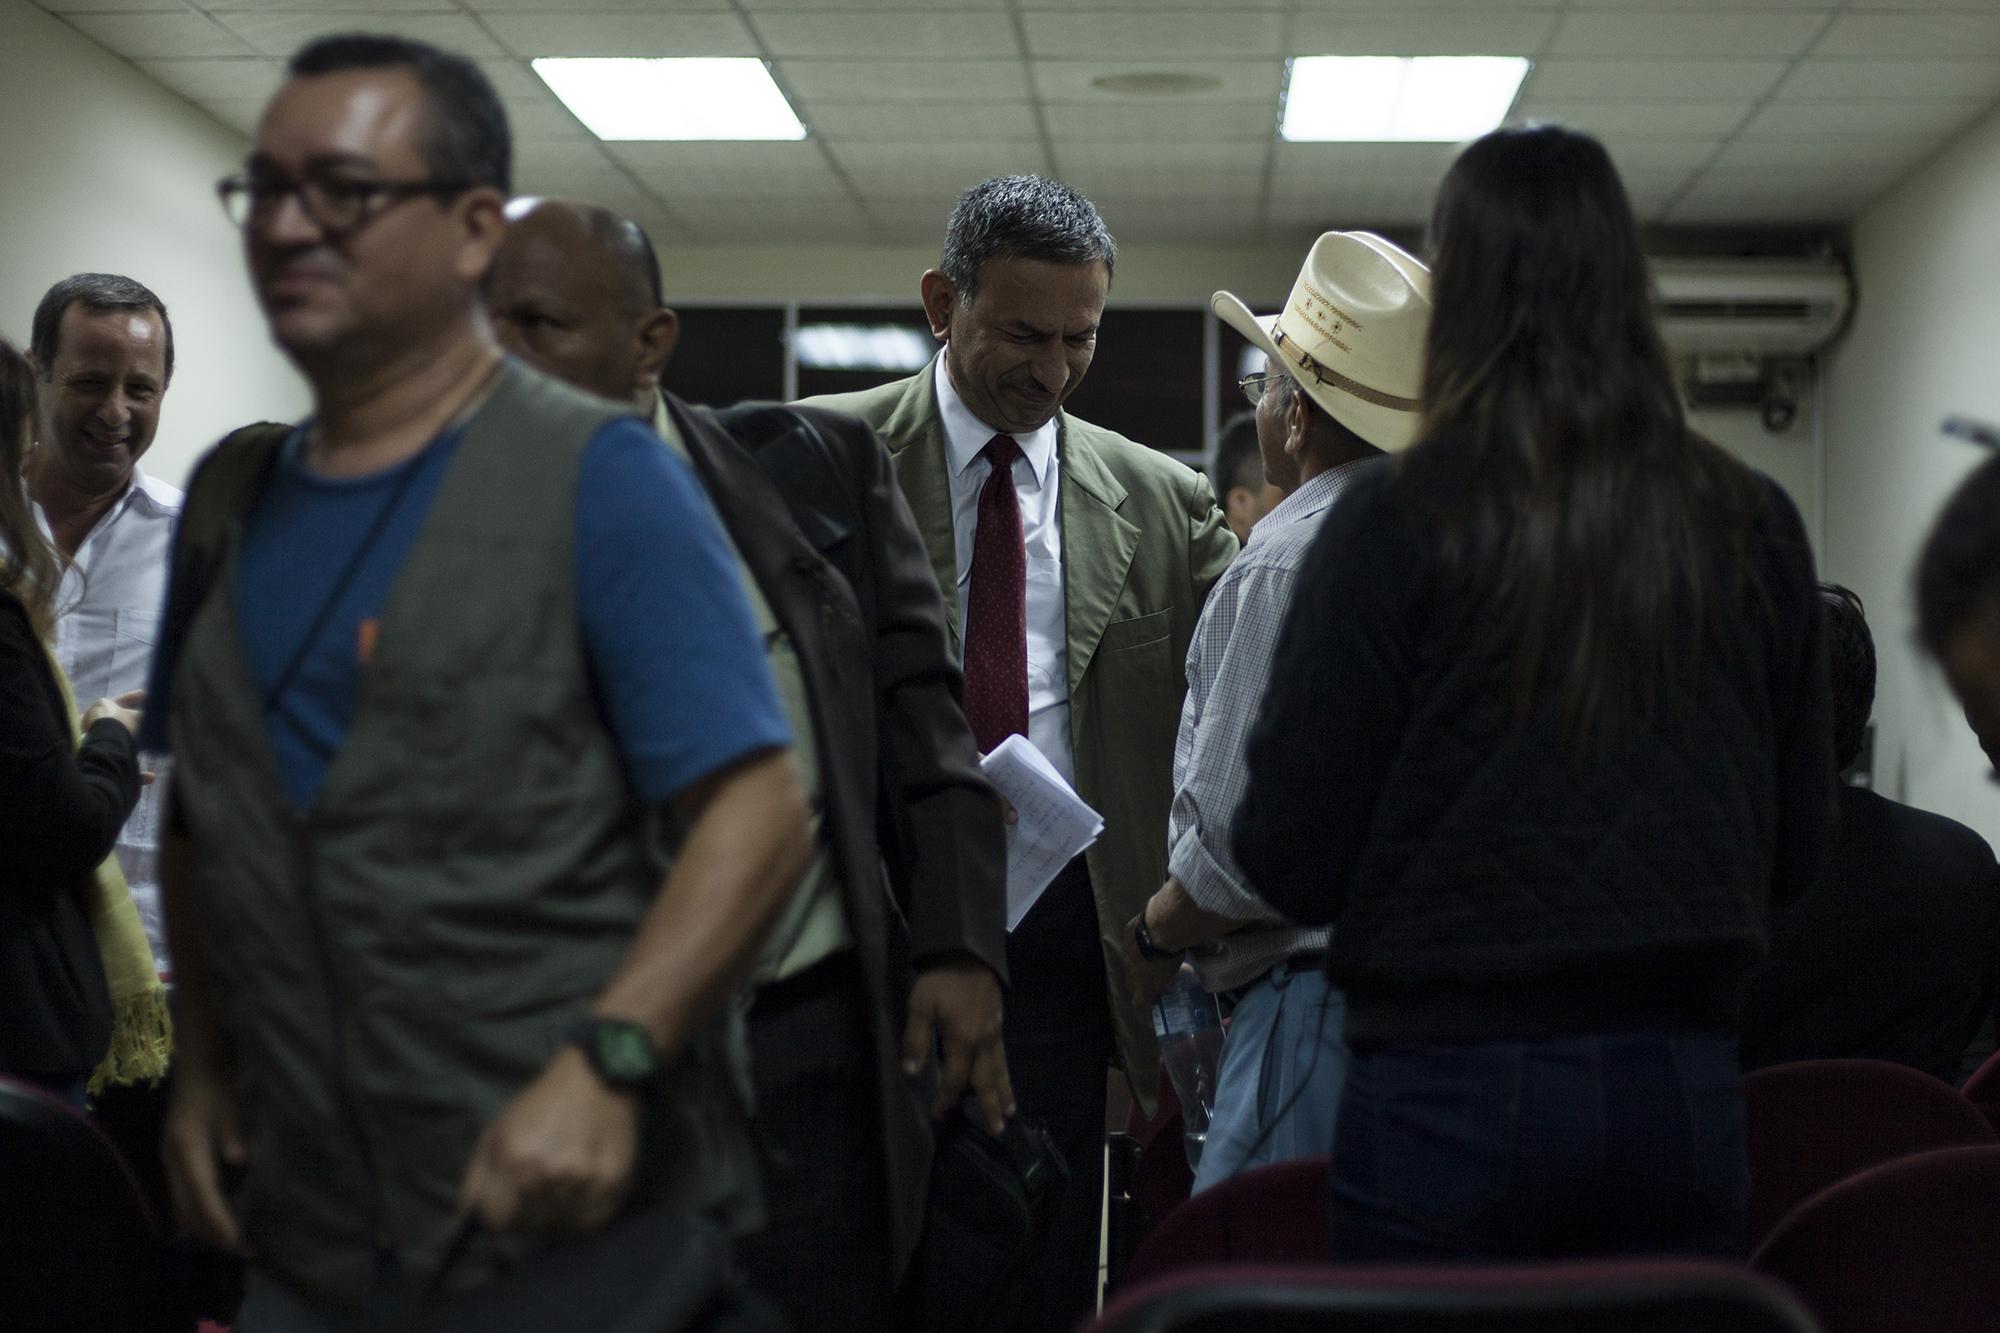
{"type": "Point", "coordinates": [1621, 1143]}
{"type": "Point", "coordinates": [1278, 1086]}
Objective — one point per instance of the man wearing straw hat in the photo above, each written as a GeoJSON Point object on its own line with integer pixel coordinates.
{"type": "Point", "coordinates": [1339, 389]}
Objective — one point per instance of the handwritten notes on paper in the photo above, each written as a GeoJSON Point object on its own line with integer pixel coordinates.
{"type": "Point", "coordinates": [1052, 822]}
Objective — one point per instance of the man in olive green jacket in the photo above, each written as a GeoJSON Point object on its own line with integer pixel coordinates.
{"type": "Point", "coordinates": [1117, 547]}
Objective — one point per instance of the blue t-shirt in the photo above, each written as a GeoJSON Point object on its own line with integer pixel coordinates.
{"type": "Point", "coordinates": [672, 648]}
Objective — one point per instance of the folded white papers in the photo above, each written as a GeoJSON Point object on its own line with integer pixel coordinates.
{"type": "Point", "coordinates": [1052, 823]}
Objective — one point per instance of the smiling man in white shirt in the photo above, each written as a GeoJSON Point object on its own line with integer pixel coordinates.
{"type": "Point", "coordinates": [105, 351]}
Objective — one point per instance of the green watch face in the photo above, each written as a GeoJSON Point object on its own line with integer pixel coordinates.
{"type": "Point", "coordinates": [624, 1052]}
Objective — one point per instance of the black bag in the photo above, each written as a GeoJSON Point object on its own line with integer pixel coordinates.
{"type": "Point", "coordinates": [661, 1269]}
{"type": "Point", "coordinates": [990, 1199]}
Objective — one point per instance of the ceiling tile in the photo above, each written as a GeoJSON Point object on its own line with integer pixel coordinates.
{"type": "Point", "coordinates": [547, 156]}
{"type": "Point", "coordinates": [1681, 6]}
{"type": "Point", "coordinates": [331, 6]}
{"type": "Point", "coordinates": [586, 179]}
{"type": "Point", "coordinates": [1719, 32]}
{"type": "Point", "coordinates": [1174, 163]}
{"type": "Point", "coordinates": [1935, 118]}
{"type": "Point", "coordinates": [1726, 202]}
{"type": "Point", "coordinates": [545, 122]}
{"type": "Point", "coordinates": [744, 169]}
{"type": "Point", "coordinates": [1352, 204]}
{"type": "Point", "coordinates": [1220, 189]}
{"type": "Point", "coordinates": [595, 6]}
{"type": "Point", "coordinates": [1632, 120]}
{"type": "Point", "coordinates": [1657, 157]}
{"type": "Point", "coordinates": [1879, 80]}
{"type": "Point", "coordinates": [514, 81]}
{"type": "Point", "coordinates": [113, 6]}
{"type": "Point", "coordinates": [248, 79]}
{"type": "Point", "coordinates": [160, 36]}
{"type": "Point", "coordinates": [819, 219]}
{"type": "Point", "coordinates": [1157, 119]}
{"type": "Point", "coordinates": [281, 34]}
{"type": "Point", "coordinates": [1235, 80]}
{"type": "Point", "coordinates": [899, 122]}
{"type": "Point", "coordinates": [639, 35]}
{"type": "Point", "coordinates": [1081, 34]}
{"type": "Point", "coordinates": [1480, 31]}
{"type": "Point", "coordinates": [1652, 80]}
{"type": "Point", "coordinates": [1882, 36]}
{"type": "Point", "coordinates": [1363, 161]}
{"type": "Point", "coordinates": [959, 36]}
{"type": "Point", "coordinates": [904, 80]}
{"type": "Point", "coordinates": [1799, 158]}
{"type": "Point", "coordinates": [943, 171]}
{"type": "Point", "coordinates": [239, 113]}
{"type": "Point", "coordinates": [1150, 191]}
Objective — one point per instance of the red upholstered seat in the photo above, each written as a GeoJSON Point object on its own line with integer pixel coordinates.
{"type": "Point", "coordinates": [78, 1246]}
{"type": "Point", "coordinates": [1622, 1296]}
{"type": "Point", "coordinates": [1814, 1123]}
{"type": "Point", "coordinates": [1912, 1246]}
{"type": "Point", "coordinates": [1270, 1215]}
{"type": "Point", "coordinates": [1983, 1090]}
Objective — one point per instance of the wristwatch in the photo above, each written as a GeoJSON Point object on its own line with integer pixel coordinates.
{"type": "Point", "coordinates": [1148, 950]}
{"type": "Point", "coordinates": [620, 1050]}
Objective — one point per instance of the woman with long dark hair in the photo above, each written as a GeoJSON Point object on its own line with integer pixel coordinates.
{"type": "Point", "coordinates": [1547, 731]}
{"type": "Point", "coordinates": [61, 804]}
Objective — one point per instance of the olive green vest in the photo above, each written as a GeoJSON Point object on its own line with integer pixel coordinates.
{"type": "Point", "coordinates": [401, 959]}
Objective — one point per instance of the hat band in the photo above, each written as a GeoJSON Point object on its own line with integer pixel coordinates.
{"type": "Point", "coordinates": [1356, 388]}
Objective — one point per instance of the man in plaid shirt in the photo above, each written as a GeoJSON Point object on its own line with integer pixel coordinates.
{"type": "Point", "coordinates": [1323, 411]}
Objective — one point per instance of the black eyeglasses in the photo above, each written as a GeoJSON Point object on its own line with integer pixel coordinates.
{"type": "Point", "coordinates": [1253, 386]}
{"type": "Point", "coordinates": [336, 204]}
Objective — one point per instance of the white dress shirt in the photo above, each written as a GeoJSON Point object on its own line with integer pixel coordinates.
{"type": "Point", "coordinates": [1038, 483]}
{"type": "Point", "coordinates": [108, 618]}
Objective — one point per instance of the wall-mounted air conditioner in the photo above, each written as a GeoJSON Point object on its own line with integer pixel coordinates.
{"type": "Point", "coordinates": [1751, 307]}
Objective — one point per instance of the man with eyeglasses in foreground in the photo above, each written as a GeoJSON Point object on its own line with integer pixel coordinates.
{"type": "Point", "coordinates": [432, 678]}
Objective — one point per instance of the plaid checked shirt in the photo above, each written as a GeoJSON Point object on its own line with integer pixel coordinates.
{"type": "Point", "coordinates": [1228, 665]}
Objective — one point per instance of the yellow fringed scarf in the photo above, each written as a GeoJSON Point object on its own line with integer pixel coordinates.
{"type": "Point", "coordinates": [142, 1032]}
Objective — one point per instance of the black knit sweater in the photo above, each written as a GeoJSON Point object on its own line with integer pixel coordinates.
{"type": "Point", "coordinates": [1484, 885]}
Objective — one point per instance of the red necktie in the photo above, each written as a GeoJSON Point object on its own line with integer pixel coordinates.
{"type": "Point", "coordinates": [996, 614]}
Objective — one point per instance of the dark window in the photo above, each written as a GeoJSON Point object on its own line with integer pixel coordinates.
{"type": "Point", "coordinates": [1145, 380]}
{"type": "Point", "coordinates": [1235, 357]}
{"type": "Point", "coordinates": [727, 354]}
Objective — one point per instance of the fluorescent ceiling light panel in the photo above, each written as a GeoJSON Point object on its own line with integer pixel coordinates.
{"type": "Point", "coordinates": [680, 99]}
{"type": "Point", "coordinates": [1398, 99]}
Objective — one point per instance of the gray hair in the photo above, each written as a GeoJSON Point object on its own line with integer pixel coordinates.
{"type": "Point", "coordinates": [97, 293]}
{"type": "Point", "coordinates": [1022, 217]}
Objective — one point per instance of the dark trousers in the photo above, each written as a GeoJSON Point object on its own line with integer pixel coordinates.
{"type": "Point", "coordinates": [824, 1258]}
{"type": "Point", "coordinates": [1059, 1044]}
{"type": "Point", "coordinates": [1604, 1145]}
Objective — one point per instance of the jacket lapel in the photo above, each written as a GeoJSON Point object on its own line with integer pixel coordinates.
{"type": "Point", "coordinates": [1097, 546]}
{"type": "Point", "coordinates": [914, 433]}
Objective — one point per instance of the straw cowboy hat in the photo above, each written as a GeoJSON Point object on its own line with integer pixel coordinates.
{"type": "Point", "coordinates": [1351, 333]}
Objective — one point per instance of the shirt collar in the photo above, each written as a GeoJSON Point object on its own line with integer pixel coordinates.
{"type": "Point", "coordinates": [1308, 501]}
{"type": "Point", "coordinates": [153, 493]}
{"type": "Point", "coordinates": [965, 434]}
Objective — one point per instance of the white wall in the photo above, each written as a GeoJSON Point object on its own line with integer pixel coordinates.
{"type": "Point", "coordinates": [1925, 344]}
{"type": "Point", "coordinates": [104, 169]}
{"type": "Point", "coordinates": [1790, 457]}
{"type": "Point", "coordinates": [1147, 274]}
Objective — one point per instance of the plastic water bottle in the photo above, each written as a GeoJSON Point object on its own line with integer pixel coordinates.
{"type": "Point", "coordinates": [1188, 1023]}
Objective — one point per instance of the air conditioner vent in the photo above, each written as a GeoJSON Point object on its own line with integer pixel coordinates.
{"type": "Point", "coordinates": [1752, 307]}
